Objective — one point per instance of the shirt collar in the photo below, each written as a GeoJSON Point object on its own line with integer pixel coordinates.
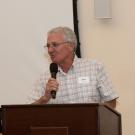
{"type": "Point", "coordinates": [75, 60]}
{"type": "Point", "coordinates": [72, 66]}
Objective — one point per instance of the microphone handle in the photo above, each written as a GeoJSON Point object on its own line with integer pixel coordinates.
{"type": "Point", "coordinates": [53, 75]}
{"type": "Point", "coordinates": [53, 92]}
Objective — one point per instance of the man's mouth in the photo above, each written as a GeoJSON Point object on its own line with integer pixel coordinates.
{"type": "Point", "coordinates": [52, 56]}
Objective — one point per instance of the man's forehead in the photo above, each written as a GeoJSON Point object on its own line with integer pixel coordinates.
{"type": "Point", "coordinates": [56, 36]}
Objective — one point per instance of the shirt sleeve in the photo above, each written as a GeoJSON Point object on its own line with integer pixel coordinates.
{"type": "Point", "coordinates": [37, 91]}
{"type": "Point", "coordinates": [105, 86]}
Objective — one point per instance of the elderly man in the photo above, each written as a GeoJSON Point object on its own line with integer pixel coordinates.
{"type": "Point", "coordinates": [78, 80]}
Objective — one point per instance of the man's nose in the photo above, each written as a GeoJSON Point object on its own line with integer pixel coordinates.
{"type": "Point", "coordinates": [50, 49]}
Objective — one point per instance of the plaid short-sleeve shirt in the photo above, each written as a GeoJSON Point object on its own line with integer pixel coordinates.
{"type": "Point", "coordinates": [86, 82]}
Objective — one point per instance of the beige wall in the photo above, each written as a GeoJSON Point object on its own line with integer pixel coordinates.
{"type": "Point", "coordinates": [112, 41]}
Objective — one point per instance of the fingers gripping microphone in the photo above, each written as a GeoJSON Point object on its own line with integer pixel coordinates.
{"type": "Point", "coordinates": [53, 71]}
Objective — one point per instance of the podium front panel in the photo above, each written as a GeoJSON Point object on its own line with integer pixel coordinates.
{"type": "Point", "coordinates": [80, 119]}
{"type": "Point", "coordinates": [49, 131]}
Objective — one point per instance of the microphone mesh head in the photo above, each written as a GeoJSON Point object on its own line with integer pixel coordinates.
{"type": "Point", "coordinates": [53, 68]}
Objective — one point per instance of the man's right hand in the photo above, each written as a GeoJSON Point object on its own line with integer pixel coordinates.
{"type": "Point", "coordinates": [52, 84]}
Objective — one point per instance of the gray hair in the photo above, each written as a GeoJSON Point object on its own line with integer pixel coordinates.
{"type": "Point", "coordinates": [68, 33]}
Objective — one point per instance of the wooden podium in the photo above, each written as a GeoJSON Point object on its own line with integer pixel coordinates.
{"type": "Point", "coordinates": [60, 119]}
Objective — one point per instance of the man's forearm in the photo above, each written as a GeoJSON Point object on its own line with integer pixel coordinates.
{"type": "Point", "coordinates": [42, 100]}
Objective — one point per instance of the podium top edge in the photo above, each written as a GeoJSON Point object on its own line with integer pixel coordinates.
{"type": "Point", "coordinates": [51, 105]}
{"type": "Point", "coordinates": [96, 105]}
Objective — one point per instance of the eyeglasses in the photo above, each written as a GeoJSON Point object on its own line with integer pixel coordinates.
{"type": "Point", "coordinates": [55, 44]}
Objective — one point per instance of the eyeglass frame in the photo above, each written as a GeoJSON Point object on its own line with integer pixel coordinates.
{"type": "Point", "coordinates": [55, 44]}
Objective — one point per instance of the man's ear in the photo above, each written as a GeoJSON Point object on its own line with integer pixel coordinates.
{"type": "Point", "coordinates": [72, 47]}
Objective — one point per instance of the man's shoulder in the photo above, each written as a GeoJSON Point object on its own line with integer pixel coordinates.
{"type": "Point", "coordinates": [90, 62]}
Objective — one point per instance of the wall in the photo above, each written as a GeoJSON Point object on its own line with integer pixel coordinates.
{"type": "Point", "coordinates": [23, 28]}
{"type": "Point", "coordinates": [112, 41]}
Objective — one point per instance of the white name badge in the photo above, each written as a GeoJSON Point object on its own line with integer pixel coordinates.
{"type": "Point", "coordinates": [83, 80]}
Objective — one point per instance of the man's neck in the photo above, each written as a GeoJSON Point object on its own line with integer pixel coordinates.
{"type": "Point", "coordinates": [67, 65]}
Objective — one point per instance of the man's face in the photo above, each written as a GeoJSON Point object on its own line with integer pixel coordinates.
{"type": "Point", "coordinates": [61, 51]}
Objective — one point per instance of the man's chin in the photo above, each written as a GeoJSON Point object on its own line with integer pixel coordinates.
{"type": "Point", "coordinates": [54, 60]}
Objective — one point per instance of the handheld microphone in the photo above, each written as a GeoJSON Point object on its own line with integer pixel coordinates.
{"type": "Point", "coordinates": [53, 71]}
